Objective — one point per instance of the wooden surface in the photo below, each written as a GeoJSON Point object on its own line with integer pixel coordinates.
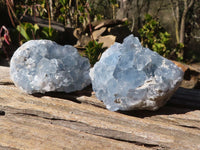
{"type": "Point", "coordinates": [60, 121]}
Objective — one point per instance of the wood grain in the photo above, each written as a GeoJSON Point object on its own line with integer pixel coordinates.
{"type": "Point", "coordinates": [78, 120]}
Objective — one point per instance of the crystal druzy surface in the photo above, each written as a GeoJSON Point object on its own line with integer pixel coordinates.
{"type": "Point", "coordinates": [40, 66]}
{"type": "Point", "coordinates": [129, 76]}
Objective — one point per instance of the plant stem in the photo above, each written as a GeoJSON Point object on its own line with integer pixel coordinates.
{"type": "Point", "coordinates": [89, 20]}
{"type": "Point", "coordinates": [49, 17]}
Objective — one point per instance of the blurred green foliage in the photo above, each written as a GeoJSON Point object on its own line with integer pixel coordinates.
{"type": "Point", "coordinates": [28, 31]}
{"type": "Point", "coordinates": [80, 13]}
{"type": "Point", "coordinates": [32, 8]}
{"type": "Point", "coordinates": [73, 13]}
{"type": "Point", "coordinates": [31, 31]}
{"type": "Point", "coordinates": [178, 51]}
{"type": "Point", "coordinates": [94, 51]}
{"type": "Point", "coordinates": [154, 36]}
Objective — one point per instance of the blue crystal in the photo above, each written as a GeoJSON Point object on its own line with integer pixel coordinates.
{"type": "Point", "coordinates": [129, 76]}
{"type": "Point", "coordinates": [40, 66]}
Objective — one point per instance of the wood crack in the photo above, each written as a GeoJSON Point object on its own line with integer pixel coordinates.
{"type": "Point", "coordinates": [97, 131]}
{"type": "Point", "coordinates": [136, 143]}
{"type": "Point", "coordinates": [192, 127]}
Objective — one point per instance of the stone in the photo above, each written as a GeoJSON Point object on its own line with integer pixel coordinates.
{"type": "Point", "coordinates": [107, 40]}
{"type": "Point", "coordinates": [129, 76]}
{"type": "Point", "coordinates": [40, 66]}
{"type": "Point", "coordinates": [97, 33]}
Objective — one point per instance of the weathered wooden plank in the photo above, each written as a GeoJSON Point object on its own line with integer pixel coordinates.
{"type": "Point", "coordinates": [80, 121]}
{"type": "Point", "coordinates": [4, 75]}
{"type": "Point", "coordinates": [32, 133]}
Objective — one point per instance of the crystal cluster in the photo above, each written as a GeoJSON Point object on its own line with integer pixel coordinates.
{"type": "Point", "coordinates": [129, 76]}
{"type": "Point", "coordinates": [40, 66]}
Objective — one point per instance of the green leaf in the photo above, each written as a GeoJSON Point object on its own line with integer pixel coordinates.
{"type": "Point", "coordinates": [36, 27]}
{"type": "Point", "coordinates": [62, 10]}
{"type": "Point", "coordinates": [63, 2]}
{"type": "Point", "coordinates": [22, 30]}
{"type": "Point", "coordinates": [45, 33]}
{"type": "Point", "coordinates": [81, 9]}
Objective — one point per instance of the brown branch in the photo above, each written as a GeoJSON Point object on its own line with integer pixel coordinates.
{"type": "Point", "coordinates": [49, 16]}
{"type": "Point", "coordinates": [87, 8]}
{"type": "Point", "coordinates": [191, 3]}
{"type": "Point", "coordinates": [51, 9]}
{"type": "Point", "coordinates": [176, 19]}
{"type": "Point", "coordinates": [159, 8]}
{"type": "Point", "coordinates": [11, 9]}
{"type": "Point", "coordinates": [9, 13]}
{"type": "Point", "coordinates": [182, 25]}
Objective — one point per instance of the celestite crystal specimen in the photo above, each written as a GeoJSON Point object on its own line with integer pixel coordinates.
{"type": "Point", "coordinates": [129, 76]}
{"type": "Point", "coordinates": [40, 66]}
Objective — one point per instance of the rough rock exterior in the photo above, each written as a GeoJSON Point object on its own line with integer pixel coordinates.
{"type": "Point", "coordinates": [129, 76]}
{"type": "Point", "coordinates": [40, 66]}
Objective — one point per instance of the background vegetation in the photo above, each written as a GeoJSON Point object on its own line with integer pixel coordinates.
{"type": "Point", "coordinates": [171, 28]}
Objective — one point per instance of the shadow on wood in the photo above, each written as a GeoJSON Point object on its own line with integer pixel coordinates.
{"type": "Point", "coordinates": [68, 96]}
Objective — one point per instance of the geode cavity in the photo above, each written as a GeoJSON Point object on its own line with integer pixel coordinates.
{"type": "Point", "coordinates": [129, 76]}
{"type": "Point", "coordinates": [40, 66]}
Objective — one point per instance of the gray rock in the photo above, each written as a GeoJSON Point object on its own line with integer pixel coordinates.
{"type": "Point", "coordinates": [129, 76]}
{"type": "Point", "coordinates": [40, 66]}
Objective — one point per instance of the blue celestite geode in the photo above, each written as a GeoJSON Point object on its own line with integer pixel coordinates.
{"type": "Point", "coordinates": [40, 66]}
{"type": "Point", "coordinates": [129, 76]}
